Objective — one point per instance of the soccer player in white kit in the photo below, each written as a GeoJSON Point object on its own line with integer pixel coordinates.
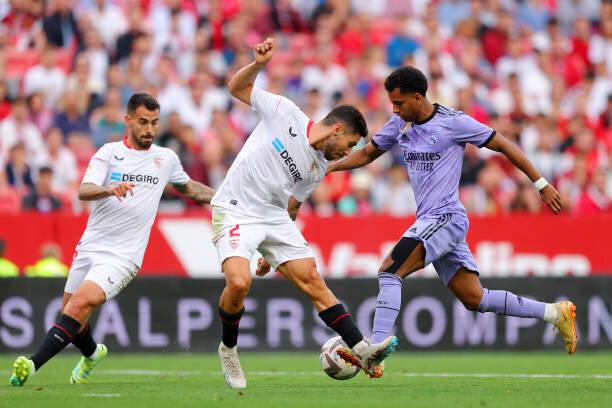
{"type": "Point", "coordinates": [125, 180]}
{"type": "Point", "coordinates": [283, 160]}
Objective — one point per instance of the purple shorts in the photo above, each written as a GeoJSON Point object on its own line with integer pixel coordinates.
{"type": "Point", "coordinates": [444, 241]}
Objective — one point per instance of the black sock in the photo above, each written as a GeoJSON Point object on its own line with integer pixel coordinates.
{"type": "Point", "coordinates": [85, 342]}
{"type": "Point", "coordinates": [56, 339]}
{"type": "Point", "coordinates": [229, 327]}
{"type": "Point", "coordinates": [338, 319]}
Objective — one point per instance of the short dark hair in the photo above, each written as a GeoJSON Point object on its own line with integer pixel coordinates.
{"type": "Point", "coordinates": [45, 170]}
{"type": "Point", "coordinates": [142, 99]}
{"type": "Point", "coordinates": [350, 116]}
{"type": "Point", "coordinates": [408, 80]}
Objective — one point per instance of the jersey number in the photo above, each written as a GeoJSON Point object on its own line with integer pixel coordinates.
{"type": "Point", "coordinates": [234, 231]}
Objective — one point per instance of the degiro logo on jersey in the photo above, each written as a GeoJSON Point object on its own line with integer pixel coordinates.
{"type": "Point", "coordinates": [130, 178]}
{"type": "Point", "coordinates": [284, 154]}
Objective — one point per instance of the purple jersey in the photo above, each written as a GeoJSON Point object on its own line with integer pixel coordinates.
{"type": "Point", "coordinates": [433, 152]}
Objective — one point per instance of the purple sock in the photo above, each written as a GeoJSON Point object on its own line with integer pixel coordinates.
{"type": "Point", "coordinates": [508, 304]}
{"type": "Point", "coordinates": [387, 305]}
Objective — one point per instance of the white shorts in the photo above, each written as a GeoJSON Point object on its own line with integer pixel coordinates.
{"type": "Point", "coordinates": [105, 270]}
{"type": "Point", "coordinates": [278, 243]}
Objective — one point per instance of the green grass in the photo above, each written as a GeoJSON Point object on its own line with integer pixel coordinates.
{"type": "Point", "coordinates": [182, 380]}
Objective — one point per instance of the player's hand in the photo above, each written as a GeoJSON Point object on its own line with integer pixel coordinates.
{"type": "Point", "coordinates": [552, 198]}
{"type": "Point", "coordinates": [264, 51]}
{"type": "Point", "coordinates": [121, 190]}
{"type": "Point", "coordinates": [263, 267]}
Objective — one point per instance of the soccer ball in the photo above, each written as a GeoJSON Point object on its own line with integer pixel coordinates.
{"type": "Point", "coordinates": [331, 362]}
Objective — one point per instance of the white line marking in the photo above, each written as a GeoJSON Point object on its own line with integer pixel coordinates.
{"type": "Point", "coordinates": [319, 373]}
{"type": "Point", "coordinates": [498, 375]}
{"type": "Point", "coordinates": [102, 395]}
{"type": "Point", "coordinates": [148, 372]}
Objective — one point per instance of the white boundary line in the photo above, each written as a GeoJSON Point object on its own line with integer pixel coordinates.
{"type": "Point", "coordinates": [317, 373]}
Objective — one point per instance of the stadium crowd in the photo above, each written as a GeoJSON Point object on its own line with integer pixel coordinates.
{"type": "Point", "coordinates": [538, 71]}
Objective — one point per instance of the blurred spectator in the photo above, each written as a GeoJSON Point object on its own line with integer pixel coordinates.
{"type": "Point", "coordinates": [107, 123]}
{"type": "Point", "coordinates": [358, 203]}
{"type": "Point", "coordinates": [18, 173]}
{"type": "Point", "coordinates": [17, 128]}
{"type": "Point", "coordinates": [10, 200]}
{"type": "Point", "coordinates": [72, 118]}
{"type": "Point", "coordinates": [46, 77]}
{"type": "Point", "coordinates": [49, 265]}
{"type": "Point", "coordinates": [41, 197]}
{"type": "Point", "coordinates": [5, 104]}
{"type": "Point", "coordinates": [62, 161]}
{"type": "Point", "coordinates": [41, 115]}
{"type": "Point", "coordinates": [60, 25]}
{"type": "Point", "coordinates": [7, 268]}
{"type": "Point", "coordinates": [594, 199]}
{"type": "Point", "coordinates": [537, 71]}
{"type": "Point", "coordinates": [109, 21]}
{"type": "Point", "coordinates": [393, 193]}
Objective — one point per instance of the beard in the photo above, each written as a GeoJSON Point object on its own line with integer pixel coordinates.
{"type": "Point", "coordinates": [144, 141]}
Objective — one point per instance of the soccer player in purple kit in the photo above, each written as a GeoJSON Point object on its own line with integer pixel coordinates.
{"type": "Point", "coordinates": [432, 138]}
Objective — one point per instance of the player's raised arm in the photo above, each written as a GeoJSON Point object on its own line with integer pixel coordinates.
{"type": "Point", "coordinates": [549, 194]}
{"type": "Point", "coordinates": [241, 84]}
{"type": "Point", "coordinates": [196, 191]}
{"type": "Point", "coordinates": [358, 158]}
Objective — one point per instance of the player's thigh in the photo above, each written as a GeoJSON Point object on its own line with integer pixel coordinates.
{"type": "Point", "coordinates": [112, 275]}
{"type": "Point", "coordinates": [466, 287]}
{"type": "Point", "coordinates": [237, 241]}
{"type": "Point", "coordinates": [84, 301]}
{"type": "Point", "coordinates": [406, 257]}
{"type": "Point", "coordinates": [237, 272]}
{"type": "Point", "coordinates": [304, 275]}
{"type": "Point", "coordinates": [81, 264]}
{"type": "Point", "coordinates": [284, 243]}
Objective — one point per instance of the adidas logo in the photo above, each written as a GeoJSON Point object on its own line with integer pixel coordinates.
{"type": "Point", "coordinates": [413, 230]}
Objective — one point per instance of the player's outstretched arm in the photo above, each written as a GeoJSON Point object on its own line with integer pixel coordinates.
{"type": "Point", "coordinates": [92, 192]}
{"type": "Point", "coordinates": [195, 190]}
{"type": "Point", "coordinates": [241, 84]}
{"type": "Point", "coordinates": [358, 158]}
{"type": "Point", "coordinates": [549, 194]}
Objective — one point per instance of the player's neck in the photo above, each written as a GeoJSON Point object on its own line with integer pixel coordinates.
{"type": "Point", "coordinates": [318, 134]}
{"type": "Point", "coordinates": [426, 112]}
{"type": "Point", "coordinates": [129, 142]}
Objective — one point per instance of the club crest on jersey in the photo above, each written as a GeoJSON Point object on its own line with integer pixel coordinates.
{"type": "Point", "coordinates": [158, 161]}
{"type": "Point", "coordinates": [433, 139]}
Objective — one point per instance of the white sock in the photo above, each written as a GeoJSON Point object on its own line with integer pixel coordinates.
{"type": "Point", "coordinates": [360, 347]}
{"type": "Point", "coordinates": [94, 355]}
{"type": "Point", "coordinates": [550, 313]}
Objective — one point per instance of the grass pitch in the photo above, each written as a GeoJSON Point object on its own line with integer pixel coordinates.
{"type": "Point", "coordinates": [288, 380]}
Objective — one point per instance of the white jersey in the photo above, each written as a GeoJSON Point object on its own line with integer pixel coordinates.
{"type": "Point", "coordinates": [275, 163]}
{"type": "Point", "coordinates": [122, 227]}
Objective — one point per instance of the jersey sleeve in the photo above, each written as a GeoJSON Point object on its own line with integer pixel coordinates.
{"type": "Point", "coordinates": [386, 137]}
{"type": "Point", "coordinates": [97, 170]}
{"type": "Point", "coordinates": [466, 129]}
{"type": "Point", "coordinates": [268, 104]}
{"type": "Point", "coordinates": [178, 175]}
{"type": "Point", "coordinates": [301, 191]}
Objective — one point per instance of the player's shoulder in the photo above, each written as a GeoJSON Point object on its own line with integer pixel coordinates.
{"type": "Point", "coordinates": [445, 111]}
{"type": "Point", "coordinates": [164, 151]}
{"type": "Point", "coordinates": [107, 149]}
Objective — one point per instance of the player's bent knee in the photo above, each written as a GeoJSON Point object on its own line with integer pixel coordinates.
{"type": "Point", "coordinates": [471, 301]}
{"type": "Point", "coordinates": [239, 286]}
{"type": "Point", "coordinates": [400, 253]}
